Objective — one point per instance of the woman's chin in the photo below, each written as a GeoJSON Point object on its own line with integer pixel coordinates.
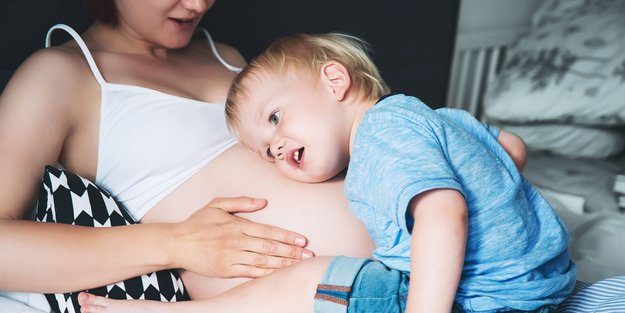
{"type": "Point", "coordinates": [179, 44]}
{"type": "Point", "coordinates": [176, 40]}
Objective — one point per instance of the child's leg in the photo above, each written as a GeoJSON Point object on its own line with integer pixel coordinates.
{"type": "Point", "coordinates": [346, 285]}
{"type": "Point", "coordinates": [291, 289]}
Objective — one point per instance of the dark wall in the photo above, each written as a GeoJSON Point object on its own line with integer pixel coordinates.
{"type": "Point", "coordinates": [23, 27]}
{"type": "Point", "coordinates": [412, 40]}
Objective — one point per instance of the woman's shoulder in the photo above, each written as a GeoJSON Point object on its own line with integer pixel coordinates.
{"type": "Point", "coordinates": [231, 55]}
{"type": "Point", "coordinates": [55, 65]}
{"type": "Point", "coordinates": [56, 74]}
{"type": "Point", "coordinates": [228, 53]}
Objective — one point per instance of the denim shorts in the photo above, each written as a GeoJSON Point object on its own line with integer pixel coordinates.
{"type": "Point", "coordinates": [361, 285]}
{"type": "Point", "coordinates": [354, 285]}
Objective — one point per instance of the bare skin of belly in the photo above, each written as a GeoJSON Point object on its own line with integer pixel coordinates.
{"type": "Point", "coordinates": [317, 211]}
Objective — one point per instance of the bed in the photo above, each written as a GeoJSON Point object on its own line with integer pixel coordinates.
{"type": "Point", "coordinates": [559, 84]}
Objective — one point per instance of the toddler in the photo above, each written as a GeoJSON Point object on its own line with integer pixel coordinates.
{"type": "Point", "coordinates": [441, 194]}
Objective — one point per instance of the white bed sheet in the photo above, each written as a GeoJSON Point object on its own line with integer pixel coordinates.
{"type": "Point", "coordinates": [592, 180]}
{"type": "Point", "coordinates": [597, 239]}
{"type": "Point", "coordinates": [581, 192]}
{"type": "Point", "coordinates": [10, 305]}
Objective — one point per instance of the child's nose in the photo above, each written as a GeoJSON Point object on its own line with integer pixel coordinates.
{"type": "Point", "coordinates": [278, 151]}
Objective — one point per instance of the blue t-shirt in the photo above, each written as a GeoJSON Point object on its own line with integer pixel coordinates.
{"type": "Point", "coordinates": [516, 254]}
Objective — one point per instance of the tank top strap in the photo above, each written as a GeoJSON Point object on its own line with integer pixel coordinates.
{"type": "Point", "coordinates": [216, 53]}
{"type": "Point", "coordinates": [83, 47]}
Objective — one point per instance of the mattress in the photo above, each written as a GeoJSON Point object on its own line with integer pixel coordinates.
{"type": "Point", "coordinates": [582, 193]}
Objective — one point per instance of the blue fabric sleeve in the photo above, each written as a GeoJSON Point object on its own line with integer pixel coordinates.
{"type": "Point", "coordinates": [468, 121]}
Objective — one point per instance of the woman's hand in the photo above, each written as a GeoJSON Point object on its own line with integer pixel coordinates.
{"type": "Point", "coordinates": [213, 242]}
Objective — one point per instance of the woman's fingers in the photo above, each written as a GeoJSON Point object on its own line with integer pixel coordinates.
{"type": "Point", "coordinates": [274, 233]}
{"type": "Point", "coordinates": [255, 257]}
{"type": "Point", "coordinates": [265, 261]}
{"type": "Point", "coordinates": [211, 241]}
{"type": "Point", "coordinates": [265, 247]}
{"type": "Point", "coordinates": [238, 204]}
{"type": "Point", "coordinates": [247, 204]}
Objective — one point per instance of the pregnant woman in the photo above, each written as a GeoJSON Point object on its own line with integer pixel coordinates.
{"type": "Point", "coordinates": [135, 104]}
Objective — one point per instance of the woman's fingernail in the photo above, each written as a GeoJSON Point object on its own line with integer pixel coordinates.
{"type": "Point", "coordinates": [307, 255]}
{"type": "Point", "coordinates": [300, 241]}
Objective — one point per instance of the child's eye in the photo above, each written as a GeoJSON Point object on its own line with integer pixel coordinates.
{"type": "Point", "coordinates": [269, 154]}
{"type": "Point", "coordinates": [274, 118]}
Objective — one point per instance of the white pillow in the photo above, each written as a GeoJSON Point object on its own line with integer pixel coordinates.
{"type": "Point", "coordinates": [569, 69]}
{"type": "Point", "coordinates": [571, 140]}
{"type": "Point", "coordinates": [551, 11]}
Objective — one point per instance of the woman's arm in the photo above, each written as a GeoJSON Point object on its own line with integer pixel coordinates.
{"type": "Point", "coordinates": [37, 115]}
{"type": "Point", "coordinates": [439, 237]}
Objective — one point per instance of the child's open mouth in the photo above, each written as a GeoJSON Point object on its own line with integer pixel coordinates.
{"type": "Point", "coordinates": [296, 157]}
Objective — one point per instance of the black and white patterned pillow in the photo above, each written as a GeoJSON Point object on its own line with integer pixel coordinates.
{"type": "Point", "coordinates": [65, 197]}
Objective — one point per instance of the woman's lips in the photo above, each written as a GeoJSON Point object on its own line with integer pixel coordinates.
{"type": "Point", "coordinates": [181, 23]}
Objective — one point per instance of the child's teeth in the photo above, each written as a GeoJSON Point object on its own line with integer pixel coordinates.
{"type": "Point", "coordinates": [297, 155]}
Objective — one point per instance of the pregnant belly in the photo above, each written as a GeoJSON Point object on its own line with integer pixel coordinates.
{"type": "Point", "coordinates": [317, 211]}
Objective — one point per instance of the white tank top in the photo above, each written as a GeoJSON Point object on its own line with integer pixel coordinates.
{"type": "Point", "coordinates": [151, 142]}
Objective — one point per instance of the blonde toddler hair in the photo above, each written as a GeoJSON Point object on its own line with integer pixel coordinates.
{"type": "Point", "coordinates": [310, 52]}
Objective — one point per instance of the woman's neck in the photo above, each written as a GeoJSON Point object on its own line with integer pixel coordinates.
{"type": "Point", "coordinates": [122, 39]}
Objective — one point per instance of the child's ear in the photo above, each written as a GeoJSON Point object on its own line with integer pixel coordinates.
{"type": "Point", "coordinates": [336, 79]}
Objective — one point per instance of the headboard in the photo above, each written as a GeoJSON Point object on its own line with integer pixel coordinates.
{"type": "Point", "coordinates": [476, 60]}
{"type": "Point", "coordinates": [559, 86]}
{"type": "Point", "coordinates": [412, 40]}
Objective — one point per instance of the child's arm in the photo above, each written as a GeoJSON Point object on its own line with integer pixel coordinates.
{"type": "Point", "coordinates": [515, 147]}
{"type": "Point", "coordinates": [439, 237]}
